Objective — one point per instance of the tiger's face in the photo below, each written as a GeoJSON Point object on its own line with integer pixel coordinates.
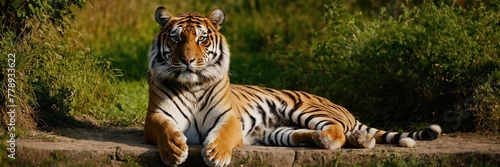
{"type": "Point", "coordinates": [189, 48]}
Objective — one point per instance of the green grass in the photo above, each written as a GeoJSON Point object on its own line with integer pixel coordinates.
{"type": "Point", "coordinates": [129, 107]}
{"type": "Point", "coordinates": [57, 78]}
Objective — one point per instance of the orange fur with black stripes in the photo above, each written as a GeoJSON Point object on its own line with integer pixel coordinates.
{"type": "Point", "coordinates": [191, 101]}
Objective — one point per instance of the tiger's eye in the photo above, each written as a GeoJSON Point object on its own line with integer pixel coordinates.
{"type": "Point", "coordinates": [175, 39]}
{"type": "Point", "coordinates": [202, 39]}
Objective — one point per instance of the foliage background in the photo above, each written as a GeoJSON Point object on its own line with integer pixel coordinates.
{"type": "Point", "coordinates": [433, 63]}
{"type": "Point", "coordinates": [394, 64]}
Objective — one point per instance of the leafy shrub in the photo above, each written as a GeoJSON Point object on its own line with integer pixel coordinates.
{"type": "Point", "coordinates": [486, 97]}
{"type": "Point", "coordinates": [406, 70]}
{"type": "Point", "coordinates": [59, 78]}
{"type": "Point", "coordinates": [17, 16]}
{"type": "Point", "coordinates": [55, 77]}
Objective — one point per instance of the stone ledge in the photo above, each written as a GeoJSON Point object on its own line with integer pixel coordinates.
{"type": "Point", "coordinates": [114, 148]}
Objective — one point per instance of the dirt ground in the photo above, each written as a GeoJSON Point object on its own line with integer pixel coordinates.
{"type": "Point", "coordinates": [118, 146]}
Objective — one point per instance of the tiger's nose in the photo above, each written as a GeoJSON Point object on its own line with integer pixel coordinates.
{"type": "Point", "coordinates": [187, 60]}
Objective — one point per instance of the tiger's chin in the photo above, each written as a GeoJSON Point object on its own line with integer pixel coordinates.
{"type": "Point", "coordinates": [202, 76]}
{"type": "Point", "coordinates": [179, 77]}
{"type": "Point", "coordinates": [189, 78]}
{"type": "Point", "coordinates": [197, 78]}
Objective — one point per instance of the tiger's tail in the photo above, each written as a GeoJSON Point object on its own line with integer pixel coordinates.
{"type": "Point", "coordinates": [405, 139]}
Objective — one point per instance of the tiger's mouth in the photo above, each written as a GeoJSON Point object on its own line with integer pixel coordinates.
{"type": "Point", "coordinates": [190, 74]}
{"type": "Point", "coordinates": [190, 69]}
{"type": "Point", "coordinates": [187, 70]}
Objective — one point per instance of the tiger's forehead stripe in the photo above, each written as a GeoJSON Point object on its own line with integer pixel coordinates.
{"type": "Point", "coordinates": [176, 30]}
{"type": "Point", "coordinates": [189, 19]}
{"type": "Point", "coordinates": [196, 25]}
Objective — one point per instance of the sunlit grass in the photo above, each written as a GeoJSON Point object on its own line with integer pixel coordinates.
{"type": "Point", "coordinates": [129, 107]}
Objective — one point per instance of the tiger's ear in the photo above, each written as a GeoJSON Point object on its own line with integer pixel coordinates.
{"type": "Point", "coordinates": [217, 17]}
{"type": "Point", "coordinates": [162, 16]}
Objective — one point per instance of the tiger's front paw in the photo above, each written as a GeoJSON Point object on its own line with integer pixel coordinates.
{"type": "Point", "coordinates": [360, 139]}
{"type": "Point", "coordinates": [217, 153]}
{"type": "Point", "coordinates": [173, 148]}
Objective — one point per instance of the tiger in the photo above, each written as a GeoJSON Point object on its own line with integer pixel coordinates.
{"type": "Point", "coordinates": [192, 102]}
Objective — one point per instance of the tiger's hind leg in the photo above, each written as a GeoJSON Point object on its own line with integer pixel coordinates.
{"type": "Point", "coordinates": [331, 138]}
{"type": "Point", "coordinates": [288, 136]}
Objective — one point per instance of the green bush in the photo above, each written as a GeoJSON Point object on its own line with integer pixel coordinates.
{"type": "Point", "coordinates": [407, 70]}
{"type": "Point", "coordinates": [487, 100]}
{"type": "Point", "coordinates": [59, 78]}
{"type": "Point", "coordinates": [56, 78]}
{"type": "Point", "coordinates": [17, 16]}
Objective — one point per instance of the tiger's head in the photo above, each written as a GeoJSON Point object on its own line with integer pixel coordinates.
{"type": "Point", "coordinates": [189, 48]}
